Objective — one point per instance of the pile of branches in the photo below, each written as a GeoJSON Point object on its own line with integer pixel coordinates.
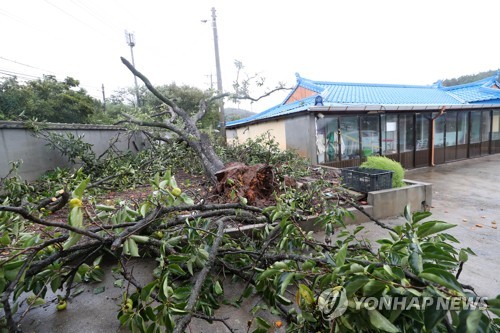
{"type": "Point", "coordinates": [194, 252]}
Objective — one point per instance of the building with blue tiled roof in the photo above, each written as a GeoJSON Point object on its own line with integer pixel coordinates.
{"type": "Point", "coordinates": [341, 123]}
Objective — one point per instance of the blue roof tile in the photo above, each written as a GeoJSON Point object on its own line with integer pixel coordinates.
{"type": "Point", "coordinates": [342, 93]}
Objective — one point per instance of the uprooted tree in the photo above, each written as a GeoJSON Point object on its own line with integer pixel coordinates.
{"type": "Point", "coordinates": [309, 285]}
{"type": "Point", "coordinates": [185, 125]}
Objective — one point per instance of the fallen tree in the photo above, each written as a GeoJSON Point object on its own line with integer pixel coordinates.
{"type": "Point", "coordinates": [281, 262]}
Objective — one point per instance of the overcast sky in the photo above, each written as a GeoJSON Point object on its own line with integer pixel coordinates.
{"type": "Point", "coordinates": [384, 41]}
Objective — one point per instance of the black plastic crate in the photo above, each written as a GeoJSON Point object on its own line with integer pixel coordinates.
{"type": "Point", "coordinates": [366, 180]}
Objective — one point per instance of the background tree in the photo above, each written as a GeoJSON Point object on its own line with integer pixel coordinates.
{"type": "Point", "coordinates": [469, 78]}
{"type": "Point", "coordinates": [47, 99]}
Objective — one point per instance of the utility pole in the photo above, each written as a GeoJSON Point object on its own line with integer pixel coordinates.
{"type": "Point", "coordinates": [103, 99]}
{"type": "Point", "coordinates": [222, 118]}
{"type": "Point", "coordinates": [130, 38]}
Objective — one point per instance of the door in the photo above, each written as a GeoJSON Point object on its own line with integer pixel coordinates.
{"type": "Point", "coordinates": [422, 134]}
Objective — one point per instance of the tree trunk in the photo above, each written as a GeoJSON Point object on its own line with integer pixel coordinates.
{"type": "Point", "coordinates": [209, 159]}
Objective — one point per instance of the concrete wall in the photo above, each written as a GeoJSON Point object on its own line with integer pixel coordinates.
{"type": "Point", "coordinates": [19, 143]}
{"type": "Point", "coordinates": [391, 202]}
{"type": "Point", "coordinates": [300, 136]}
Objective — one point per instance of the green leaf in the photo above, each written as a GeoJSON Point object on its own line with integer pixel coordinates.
{"type": "Point", "coordinates": [381, 322]}
{"type": "Point", "coordinates": [341, 255]}
{"type": "Point", "coordinates": [119, 283]}
{"type": "Point", "coordinates": [415, 262]}
{"type": "Point", "coordinates": [72, 240]}
{"type": "Point", "coordinates": [186, 199]}
{"type": "Point", "coordinates": [441, 277]}
{"type": "Point", "coordinates": [373, 287]}
{"type": "Point", "coordinates": [267, 273]}
{"type": "Point", "coordinates": [355, 284]}
{"type": "Point", "coordinates": [247, 292]}
{"type": "Point", "coordinates": [99, 290]}
{"type": "Point", "coordinates": [172, 181]}
{"type": "Point", "coordinates": [133, 248]}
{"type": "Point", "coordinates": [165, 287]}
{"type": "Point", "coordinates": [432, 227]}
{"type": "Point", "coordinates": [262, 323]}
{"type": "Point", "coordinates": [306, 294]}
{"type": "Point", "coordinates": [5, 239]}
{"type": "Point", "coordinates": [407, 213]}
{"type": "Point", "coordinates": [78, 192]}
{"type": "Point", "coordinates": [463, 256]}
{"type": "Point", "coordinates": [144, 209]}
{"type": "Point", "coordinates": [433, 316]}
{"type": "Point", "coordinates": [419, 216]}
{"type": "Point", "coordinates": [105, 208]}
{"type": "Point", "coordinates": [285, 281]}
{"type": "Point", "coordinates": [147, 290]}
{"type": "Point", "coordinates": [469, 322]}
{"type": "Point", "coordinates": [182, 293]}
{"type": "Point", "coordinates": [189, 265]}
{"type": "Point", "coordinates": [218, 288]}
{"type": "Point", "coordinates": [76, 217]}
{"type": "Point", "coordinates": [283, 300]}
{"type": "Point", "coordinates": [55, 283]}
{"type": "Point", "coordinates": [176, 269]}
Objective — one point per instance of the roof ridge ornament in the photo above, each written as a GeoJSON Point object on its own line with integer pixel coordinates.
{"type": "Point", "coordinates": [318, 101]}
{"type": "Point", "coordinates": [297, 76]}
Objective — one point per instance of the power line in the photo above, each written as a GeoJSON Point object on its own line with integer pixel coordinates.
{"type": "Point", "coordinates": [74, 17]}
{"type": "Point", "coordinates": [13, 73]}
{"type": "Point", "coordinates": [95, 15]}
{"type": "Point", "coordinates": [20, 63]}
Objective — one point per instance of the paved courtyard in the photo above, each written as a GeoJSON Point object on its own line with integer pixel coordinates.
{"type": "Point", "coordinates": [465, 193]}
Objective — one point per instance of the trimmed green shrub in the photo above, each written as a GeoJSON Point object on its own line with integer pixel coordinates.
{"type": "Point", "coordinates": [384, 163]}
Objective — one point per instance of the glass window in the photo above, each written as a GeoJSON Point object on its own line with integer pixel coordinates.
{"type": "Point", "coordinates": [370, 140]}
{"type": "Point", "coordinates": [462, 121]}
{"type": "Point", "coordinates": [451, 128]}
{"type": "Point", "coordinates": [475, 129]}
{"type": "Point", "coordinates": [327, 139]}
{"type": "Point", "coordinates": [485, 126]}
{"type": "Point", "coordinates": [495, 130]}
{"type": "Point", "coordinates": [349, 138]}
{"type": "Point", "coordinates": [406, 129]}
{"type": "Point", "coordinates": [439, 123]}
{"type": "Point", "coordinates": [389, 134]}
{"type": "Point", "coordinates": [422, 131]}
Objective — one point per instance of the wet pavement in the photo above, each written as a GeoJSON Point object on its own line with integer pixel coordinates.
{"type": "Point", "coordinates": [465, 193]}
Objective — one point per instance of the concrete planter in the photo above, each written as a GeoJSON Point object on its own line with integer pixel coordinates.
{"type": "Point", "coordinates": [391, 202]}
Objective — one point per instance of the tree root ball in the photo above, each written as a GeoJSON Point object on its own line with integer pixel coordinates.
{"type": "Point", "coordinates": [256, 182]}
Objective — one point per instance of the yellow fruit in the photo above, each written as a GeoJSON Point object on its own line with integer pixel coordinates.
{"type": "Point", "coordinates": [62, 305]}
{"type": "Point", "coordinates": [158, 234]}
{"type": "Point", "coordinates": [128, 307]}
{"type": "Point", "coordinates": [75, 202]}
{"type": "Point", "coordinates": [97, 267]}
{"type": "Point", "coordinates": [176, 192]}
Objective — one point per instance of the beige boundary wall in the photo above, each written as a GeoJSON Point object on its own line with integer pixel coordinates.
{"type": "Point", "coordinates": [19, 143]}
{"type": "Point", "coordinates": [294, 133]}
{"type": "Point", "coordinates": [276, 128]}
